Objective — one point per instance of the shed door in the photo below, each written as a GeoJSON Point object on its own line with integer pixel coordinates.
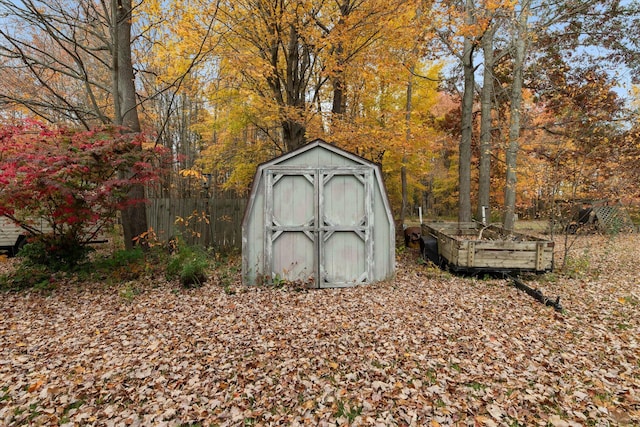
{"type": "Point", "coordinates": [319, 225]}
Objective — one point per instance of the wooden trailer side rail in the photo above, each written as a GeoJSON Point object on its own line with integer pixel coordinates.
{"type": "Point", "coordinates": [467, 247]}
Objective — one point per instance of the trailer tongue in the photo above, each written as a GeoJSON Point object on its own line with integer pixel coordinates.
{"type": "Point", "coordinates": [536, 293]}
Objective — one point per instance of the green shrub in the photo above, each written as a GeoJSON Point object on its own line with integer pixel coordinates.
{"type": "Point", "coordinates": [121, 266]}
{"type": "Point", "coordinates": [56, 253]}
{"type": "Point", "coordinates": [28, 277]}
{"type": "Point", "coordinates": [189, 264]}
{"type": "Point", "coordinates": [42, 269]}
{"type": "Point", "coordinates": [119, 259]}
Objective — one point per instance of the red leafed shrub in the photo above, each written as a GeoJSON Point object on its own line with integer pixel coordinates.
{"type": "Point", "coordinates": [74, 181]}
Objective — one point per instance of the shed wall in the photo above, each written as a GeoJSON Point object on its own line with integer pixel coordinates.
{"type": "Point", "coordinates": [253, 237]}
{"type": "Point", "coordinates": [383, 236]}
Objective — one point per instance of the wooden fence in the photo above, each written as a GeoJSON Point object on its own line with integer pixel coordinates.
{"type": "Point", "coordinates": [213, 223]}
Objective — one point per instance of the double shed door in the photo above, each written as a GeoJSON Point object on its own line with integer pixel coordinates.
{"type": "Point", "coordinates": [319, 225]}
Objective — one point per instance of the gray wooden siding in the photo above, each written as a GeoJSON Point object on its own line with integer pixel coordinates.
{"type": "Point", "coordinates": [384, 259]}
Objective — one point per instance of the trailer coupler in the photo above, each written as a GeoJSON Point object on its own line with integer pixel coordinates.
{"type": "Point", "coordinates": [536, 293]}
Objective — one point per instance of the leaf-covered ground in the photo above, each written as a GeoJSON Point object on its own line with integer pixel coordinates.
{"type": "Point", "coordinates": [427, 348]}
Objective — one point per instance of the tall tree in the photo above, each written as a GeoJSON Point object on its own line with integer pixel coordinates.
{"type": "Point", "coordinates": [468, 68]}
{"type": "Point", "coordinates": [459, 34]}
{"type": "Point", "coordinates": [519, 48]}
{"type": "Point", "coordinates": [403, 166]}
{"type": "Point", "coordinates": [486, 127]}
{"type": "Point", "coordinates": [492, 16]}
{"type": "Point", "coordinates": [134, 216]}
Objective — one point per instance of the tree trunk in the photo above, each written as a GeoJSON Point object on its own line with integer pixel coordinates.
{"type": "Point", "coordinates": [134, 217]}
{"type": "Point", "coordinates": [297, 58]}
{"type": "Point", "coordinates": [484, 179]}
{"type": "Point", "coordinates": [403, 168]}
{"type": "Point", "coordinates": [464, 166]}
{"type": "Point", "coordinates": [339, 102]}
{"type": "Point", "coordinates": [293, 134]}
{"type": "Point", "coordinates": [514, 123]}
{"type": "Point", "coordinates": [338, 106]}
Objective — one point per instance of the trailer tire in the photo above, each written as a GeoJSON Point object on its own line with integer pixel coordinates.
{"type": "Point", "coordinates": [22, 240]}
{"type": "Point", "coordinates": [430, 251]}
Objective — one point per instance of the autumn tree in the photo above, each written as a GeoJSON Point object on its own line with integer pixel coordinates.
{"type": "Point", "coordinates": [468, 32]}
{"type": "Point", "coordinates": [577, 106]}
{"type": "Point", "coordinates": [562, 26]}
{"type": "Point", "coordinates": [388, 93]}
{"type": "Point", "coordinates": [75, 181]}
{"type": "Point", "coordinates": [486, 127]}
{"type": "Point", "coordinates": [359, 64]}
{"type": "Point", "coordinates": [176, 56]}
{"type": "Point", "coordinates": [586, 116]}
{"type": "Point", "coordinates": [271, 45]}
{"type": "Point", "coordinates": [376, 60]}
{"type": "Point", "coordinates": [515, 112]}
{"type": "Point", "coordinates": [493, 15]}
{"type": "Point", "coordinates": [389, 122]}
{"type": "Point", "coordinates": [134, 216]}
{"type": "Point", "coordinates": [348, 30]}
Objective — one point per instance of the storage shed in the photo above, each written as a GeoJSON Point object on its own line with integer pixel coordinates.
{"type": "Point", "coordinates": [318, 216]}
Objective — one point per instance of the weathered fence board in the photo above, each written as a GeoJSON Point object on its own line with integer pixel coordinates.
{"type": "Point", "coordinates": [207, 222]}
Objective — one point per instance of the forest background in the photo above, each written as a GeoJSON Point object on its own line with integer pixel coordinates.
{"type": "Point", "coordinates": [509, 104]}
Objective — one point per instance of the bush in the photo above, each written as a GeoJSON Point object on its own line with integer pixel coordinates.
{"type": "Point", "coordinates": [56, 253]}
{"type": "Point", "coordinates": [121, 258]}
{"type": "Point", "coordinates": [121, 266]}
{"type": "Point", "coordinates": [28, 277]}
{"type": "Point", "coordinates": [42, 269]}
{"type": "Point", "coordinates": [189, 264]}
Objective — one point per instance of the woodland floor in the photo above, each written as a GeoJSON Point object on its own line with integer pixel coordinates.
{"type": "Point", "coordinates": [425, 349]}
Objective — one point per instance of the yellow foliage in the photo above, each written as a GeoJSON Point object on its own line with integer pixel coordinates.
{"type": "Point", "coordinates": [191, 173]}
{"type": "Point", "coordinates": [384, 133]}
{"type": "Point", "coordinates": [372, 49]}
{"type": "Point", "coordinates": [635, 97]}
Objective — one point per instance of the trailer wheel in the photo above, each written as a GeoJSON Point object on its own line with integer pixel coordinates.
{"type": "Point", "coordinates": [430, 250]}
{"type": "Point", "coordinates": [22, 240]}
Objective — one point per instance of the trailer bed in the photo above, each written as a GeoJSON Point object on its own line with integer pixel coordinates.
{"type": "Point", "coordinates": [472, 248]}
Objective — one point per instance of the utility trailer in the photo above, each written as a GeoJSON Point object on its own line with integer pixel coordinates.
{"type": "Point", "coordinates": [13, 236]}
{"type": "Point", "coordinates": [475, 249]}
